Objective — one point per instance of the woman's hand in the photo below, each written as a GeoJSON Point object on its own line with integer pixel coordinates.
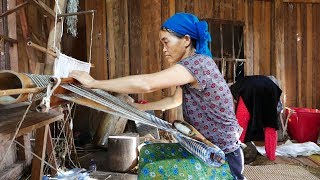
{"type": "Point", "coordinates": [83, 77]}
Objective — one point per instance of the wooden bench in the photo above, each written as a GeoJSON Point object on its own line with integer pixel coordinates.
{"type": "Point", "coordinates": [10, 116]}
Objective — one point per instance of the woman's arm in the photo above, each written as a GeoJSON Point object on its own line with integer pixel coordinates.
{"type": "Point", "coordinates": [166, 103]}
{"type": "Point", "coordinates": [174, 76]}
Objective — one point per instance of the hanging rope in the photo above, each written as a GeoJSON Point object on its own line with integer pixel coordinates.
{"type": "Point", "coordinates": [42, 160]}
{"type": "Point", "coordinates": [91, 34]}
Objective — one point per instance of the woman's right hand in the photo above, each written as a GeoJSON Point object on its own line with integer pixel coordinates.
{"type": "Point", "coordinates": [83, 77]}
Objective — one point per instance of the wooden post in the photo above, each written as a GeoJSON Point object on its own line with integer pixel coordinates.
{"type": "Point", "coordinates": [12, 33]}
{"type": "Point", "coordinates": [40, 150]}
{"type": "Point", "coordinates": [24, 154]}
{"type": "Point", "coordinates": [110, 125]}
{"type": "Point", "coordinates": [249, 38]}
{"type": "Point", "coordinates": [51, 154]}
{"type": "Point", "coordinates": [279, 46]}
{"type": "Point", "coordinates": [99, 38]}
{"type": "Point", "coordinates": [55, 32]}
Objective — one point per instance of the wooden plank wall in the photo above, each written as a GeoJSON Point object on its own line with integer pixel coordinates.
{"type": "Point", "coordinates": [99, 48]}
{"type": "Point", "coordinates": [132, 46]}
{"type": "Point", "coordinates": [145, 19]}
{"type": "Point", "coordinates": [301, 44]}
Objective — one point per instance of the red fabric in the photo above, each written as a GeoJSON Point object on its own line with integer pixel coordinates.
{"type": "Point", "coordinates": [142, 102]}
{"type": "Point", "coordinates": [270, 140]}
{"type": "Point", "coordinates": [243, 117]}
{"type": "Point", "coordinates": [270, 134]}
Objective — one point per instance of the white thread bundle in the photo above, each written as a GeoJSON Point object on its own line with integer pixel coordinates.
{"type": "Point", "coordinates": [182, 128]}
{"type": "Point", "coordinates": [64, 64]}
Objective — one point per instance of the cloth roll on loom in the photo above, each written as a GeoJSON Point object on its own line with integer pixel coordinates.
{"type": "Point", "coordinates": [12, 84]}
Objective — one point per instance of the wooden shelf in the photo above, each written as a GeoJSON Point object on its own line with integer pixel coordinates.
{"type": "Point", "coordinates": [11, 115]}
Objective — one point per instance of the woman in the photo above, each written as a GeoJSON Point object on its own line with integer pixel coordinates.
{"type": "Point", "coordinates": [206, 98]}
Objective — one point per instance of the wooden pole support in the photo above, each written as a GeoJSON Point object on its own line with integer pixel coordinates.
{"type": "Point", "coordinates": [6, 38]}
{"type": "Point", "coordinates": [42, 49]}
{"type": "Point", "coordinates": [47, 51]}
{"type": "Point", "coordinates": [76, 13]}
{"type": "Point", "coordinates": [9, 92]}
{"type": "Point", "coordinates": [13, 9]}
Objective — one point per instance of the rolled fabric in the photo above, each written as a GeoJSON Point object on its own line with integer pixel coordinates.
{"type": "Point", "coordinates": [211, 155]}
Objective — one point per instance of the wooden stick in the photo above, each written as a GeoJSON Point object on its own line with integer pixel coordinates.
{"type": "Point", "coordinates": [76, 13]}
{"type": "Point", "coordinates": [9, 92]}
{"type": "Point", "coordinates": [6, 38]}
{"type": "Point", "coordinates": [13, 9]}
{"type": "Point", "coordinates": [229, 59]}
{"type": "Point", "coordinates": [42, 49]}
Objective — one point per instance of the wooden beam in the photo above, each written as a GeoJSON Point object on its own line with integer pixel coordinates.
{"type": "Point", "coordinates": [301, 1]}
{"type": "Point", "coordinates": [224, 21]}
{"type": "Point", "coordinates": [14, 9]}
{"type": "Point", "coordinates": [299, 58]}
{"type": "Point", "coordinates": [249, 38]}
{"type": "Point", "coordinates": [77, 13]}
{"type": "Point", "coordinates": [99, 37]}
{"type": "Point", "coordinates": [42, 49]}
{"type": "Point", "coordinates": [24, 154]}
{"type": "Point", "coordinates": [12, 32]}
{"type": "Point", "coordinates": [32, 58]}
{"type": "Point", "coordinates": [34, 120]}
{"type": "Point", "coordinates": [9, 92]}
{"type": "Point", "coordinates": [6, 38]}
{"type": "Point", "coordinates": [44, 8]}
{"type": "Point", "coordinates": [40, 149]}
{"type": "Point", "coordinates": [54, 36]}
{"type": "Point", "coordinates": [51, 154]}
{"type": "Point", "coordinates": [310, 48]}
{"type": "Point", "coordinates": [279, 45]}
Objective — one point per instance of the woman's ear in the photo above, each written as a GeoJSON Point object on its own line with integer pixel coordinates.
{"type": "Point", "coordinates": [187, 39]}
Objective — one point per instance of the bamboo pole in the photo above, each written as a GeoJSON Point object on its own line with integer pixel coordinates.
{"type": "Point", "coordinates": [9, 92]}
{"type": "Point", "coordinates": [76, 13]}
{"type": "Point", "coordinates": [42, 49]}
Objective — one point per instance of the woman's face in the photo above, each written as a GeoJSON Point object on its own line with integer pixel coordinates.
{"type": "Point", "coordinates": [174, 48]}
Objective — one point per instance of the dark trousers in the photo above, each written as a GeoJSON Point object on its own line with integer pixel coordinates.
{"type": "Point", "coordinates": [236, 163]}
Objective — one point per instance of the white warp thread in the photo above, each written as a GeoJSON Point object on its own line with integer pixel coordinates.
{"type": "Point", "coordinates": [64, 64]}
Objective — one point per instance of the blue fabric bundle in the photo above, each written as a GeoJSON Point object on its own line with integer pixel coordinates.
{"type": "Point", "coordinates": [189, 24]}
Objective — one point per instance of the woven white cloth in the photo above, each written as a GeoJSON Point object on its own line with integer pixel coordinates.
{"type": "Point", "coordinates": [64, 64]}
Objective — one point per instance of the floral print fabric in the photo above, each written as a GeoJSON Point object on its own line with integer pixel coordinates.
{"type": "Point", "coordinates": [172, 161]}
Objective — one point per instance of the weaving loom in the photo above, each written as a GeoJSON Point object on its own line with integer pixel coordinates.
{"type": "Point", "coordinates": [103, 101]}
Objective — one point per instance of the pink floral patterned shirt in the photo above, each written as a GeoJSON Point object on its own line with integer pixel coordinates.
{"type": "Point", "coordinates": [210, 108]}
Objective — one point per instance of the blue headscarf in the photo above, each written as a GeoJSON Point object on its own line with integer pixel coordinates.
{"type": "Point", "coordinates": [189, 24]}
